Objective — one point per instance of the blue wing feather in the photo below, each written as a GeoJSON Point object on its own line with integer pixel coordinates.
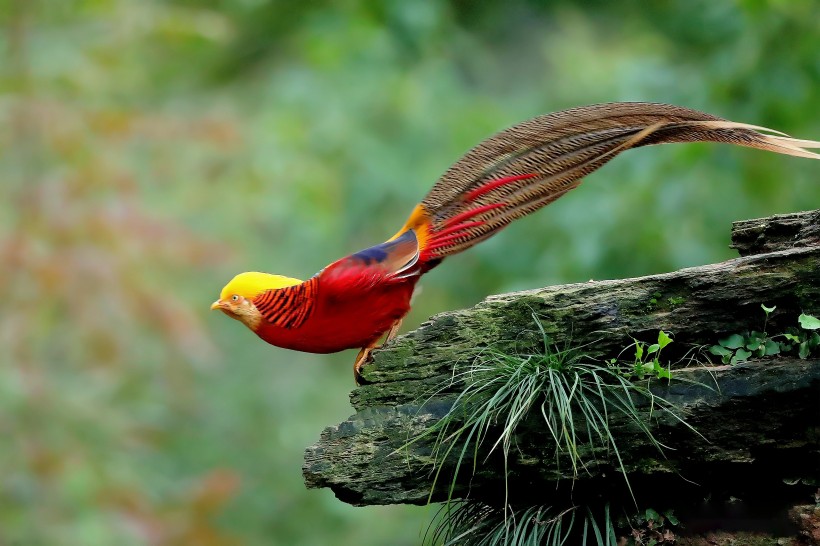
{"type": "Point", "coordinates": [396, 256]}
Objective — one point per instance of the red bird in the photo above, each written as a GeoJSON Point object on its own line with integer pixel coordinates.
{"type": "Point", "coordinates": [356, 300]}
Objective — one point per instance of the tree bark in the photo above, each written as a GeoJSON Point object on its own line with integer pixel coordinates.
{"type": "Point", "coordinates": [778, 232]}
{"type": "Point", "coordinates": [759, 422]}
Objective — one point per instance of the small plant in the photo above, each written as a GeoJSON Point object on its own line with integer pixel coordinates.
{"type": "Point", "coordinates": [650, 528]}
{"type": "Point", "coordinates": [647, 359]}
{"type": "Point", "coordinates": [654, 300]}
{"type": "Point", "coordinates": [807, 340]}
{"type": "Point", "coordinates": [739, 347]}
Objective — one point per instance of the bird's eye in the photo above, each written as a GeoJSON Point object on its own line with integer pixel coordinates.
{"type": "Point", "coordinates": [235, 297]}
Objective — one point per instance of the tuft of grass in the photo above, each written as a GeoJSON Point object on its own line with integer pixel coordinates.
{"type": "Point", "coordinates": [576, 396]}
{"type": "Point", "coordinates": [477, 524]}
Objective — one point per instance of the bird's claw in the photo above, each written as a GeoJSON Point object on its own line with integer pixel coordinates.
{"type": "Point", "coordinates": [364, 356]}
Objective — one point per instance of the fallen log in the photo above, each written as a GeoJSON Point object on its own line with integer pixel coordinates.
{"type": "Point", "coordinates": [757, 423]}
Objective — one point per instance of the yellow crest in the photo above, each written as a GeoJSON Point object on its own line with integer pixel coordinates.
{"type": "Point", "coordinates": [251, 284]}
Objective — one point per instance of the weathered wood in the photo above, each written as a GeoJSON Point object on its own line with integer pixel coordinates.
{"type": "Point", "coordinates": [779, 232]}
{"type": "Point", "coordinates": [762, 423]}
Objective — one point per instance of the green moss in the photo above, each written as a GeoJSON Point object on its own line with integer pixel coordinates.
{"type": "Point", "coordinates": [650, 465]}
{"type": "Point", "coordinates": [652, 304]}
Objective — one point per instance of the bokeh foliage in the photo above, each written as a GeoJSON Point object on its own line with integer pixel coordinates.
{"type": "Point", "coordinates": [151, 149]}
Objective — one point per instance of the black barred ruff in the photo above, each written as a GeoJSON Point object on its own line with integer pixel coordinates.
{"type": "Point", "coordinates": [288, 307]}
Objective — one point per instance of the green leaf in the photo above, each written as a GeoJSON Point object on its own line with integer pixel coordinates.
{"type": "Point", "coordinates": [638, 350]}
{"type": "Point", "coordinates": [768, 309]}
{"type": "Point", "coordinates": [808, 322]}
{"type": "Point", "coordinates": [653, 348]}
{"type": "Point", "coordinates": [814, 340]}
{"type": "Point", "coordinates": [772, 348]}
{"type": "Point", "coordinates": [652, 515]}
{"type": "Point", "coordinates": [671, 517]}
{"type": "Point", "coordinates": [663, 339]}
{"type": "Point", "coordinates": [741, 355]}
{"type": "Point", "coordinates": [734, 341]}
{"type": "Point", "coordinates": [803, 353]}
{"type": "Point", "coordinates": [719, 351]}
{"type": "Point", "coordinates": [791, 337]}
{"type": "Point", "coordinates": [754, 344]}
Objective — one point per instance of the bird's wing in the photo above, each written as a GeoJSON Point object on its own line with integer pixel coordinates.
{"type": "Point", "coordinates": [371, 270]}
{"type": "Point", "coordinates": [395, 258]}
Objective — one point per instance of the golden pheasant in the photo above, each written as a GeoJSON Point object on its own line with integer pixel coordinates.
{"type": "Point", "coordinates": [355, 301]}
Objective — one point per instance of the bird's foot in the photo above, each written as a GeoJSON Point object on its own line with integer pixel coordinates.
{"type": "Point", "coordinates": [362, 358]}
{"type": "Point", "coordinates": [365, 356]}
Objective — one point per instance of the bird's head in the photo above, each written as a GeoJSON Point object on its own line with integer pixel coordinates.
{"type": "Point", "coordinates": [236, 299]}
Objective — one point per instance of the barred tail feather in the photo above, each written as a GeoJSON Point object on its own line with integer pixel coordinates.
{"type": "Point", "coordinates": [530, 165]}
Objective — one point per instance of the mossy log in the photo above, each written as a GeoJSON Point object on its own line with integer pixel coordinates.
{"type": "Point", "coordinates": [758, 422]}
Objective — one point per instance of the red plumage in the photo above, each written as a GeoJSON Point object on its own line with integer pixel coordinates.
{"type": "Point", "coordinates": [355, 305]}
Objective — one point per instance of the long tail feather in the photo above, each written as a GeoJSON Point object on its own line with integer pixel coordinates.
{"type": "Point", "coordinates": [530, 165]}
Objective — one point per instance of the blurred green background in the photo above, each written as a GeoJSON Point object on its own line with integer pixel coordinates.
{"type": "Point", "coordinates": [151, 149]}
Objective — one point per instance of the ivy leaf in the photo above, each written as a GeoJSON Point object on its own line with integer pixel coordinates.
{"type": "Point", "coordinates": [741, 355]}
{"type": "Point", "coordinates": [803, 353]}
{"type": "Point", "coordinates": [663, 339]}
{"type": "Point", "coordinates": [772, 348]}
{"type": "Point", "coordinates": [661, 372]}
{"type": "Point", "coordinates": [754, 343]}
{"type": "Point", "coordinates": [808, 322]}
{"type": "Point", "coordinates": [734, 341]}
{"type": "Point", "coordinates": [719, 350]}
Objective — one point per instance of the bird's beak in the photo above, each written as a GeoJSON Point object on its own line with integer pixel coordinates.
{"type": "Point", "coordinates": [216, 305]}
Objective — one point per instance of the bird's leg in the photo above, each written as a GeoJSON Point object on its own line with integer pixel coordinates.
{"type": "Point", "coordinates": [393, 332]}
{"type": "Point", "coordinates": [364, 355]}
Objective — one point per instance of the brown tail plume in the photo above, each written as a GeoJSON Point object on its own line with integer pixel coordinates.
{"type": "Point", "coordinates": [532, 164]}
